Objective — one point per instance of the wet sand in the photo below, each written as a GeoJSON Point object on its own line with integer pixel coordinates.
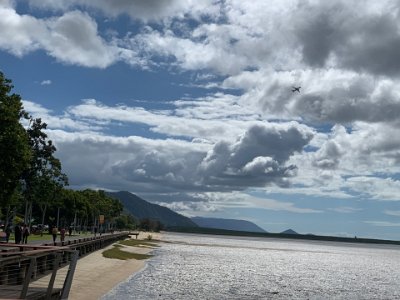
{"type": "Point", "coordinates": [95, 275]}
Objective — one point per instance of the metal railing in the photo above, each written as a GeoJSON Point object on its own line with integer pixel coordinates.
{"type": "Point", "coordinates": [43, 273]}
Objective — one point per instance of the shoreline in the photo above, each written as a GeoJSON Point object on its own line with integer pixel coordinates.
{"type": "Point", "coordinates": [96, 275]}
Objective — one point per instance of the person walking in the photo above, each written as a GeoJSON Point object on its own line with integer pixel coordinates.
{"type": "Point", "coordinates": [62, 234]}
{"type": "Point", "coordinates": [17, 234]}
{"type": "Point", "coordinates": [25, 234]}
{"type": "Point", "coordinates": [54, 234]}
{"type": "Point", "coordinates": [8, 233]}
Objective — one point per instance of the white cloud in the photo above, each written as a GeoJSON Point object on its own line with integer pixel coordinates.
{"type": "Point", "coordinates": [243, 200]}
{"type": "Point", "coordinates": [45, 82]}
{"type": "Point", "coordinates": [382, 223]}
{"type": "Point", "coordinates": [191, 209]}
{"type": "Point", "coordinates": [150, 10]}
{"type": "Point", "coordinates": [18, 38]}
{"type": "Point", "coordinates": [392, 213]}
{"type": "Point", "coordinates": [72, 38]}
{"type": "Point", "coordinates": [346, 209]}
{"type": "Point", "coordinates": [383, 189]}
{"type": "Point", "coordinates": [65, 121]}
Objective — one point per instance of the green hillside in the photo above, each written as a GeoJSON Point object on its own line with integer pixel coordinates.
{"type": "Point", "coordinates": [142, 209]}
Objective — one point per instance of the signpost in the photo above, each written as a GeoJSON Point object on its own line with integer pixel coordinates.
{"type": "Point", "coordinates": [101, 222]}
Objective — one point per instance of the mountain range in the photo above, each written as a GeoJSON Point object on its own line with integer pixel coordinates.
{"type": "Point", "coordinates": [227, 224]}
{"type": "Point", "coordinates": [142, 209]}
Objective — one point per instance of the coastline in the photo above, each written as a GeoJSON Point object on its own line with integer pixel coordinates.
{"type": "Point", "coordinates": [96, 275]}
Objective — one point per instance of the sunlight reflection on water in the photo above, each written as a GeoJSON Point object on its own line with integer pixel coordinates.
{"type": "Point", "coordinates": [210, 267]}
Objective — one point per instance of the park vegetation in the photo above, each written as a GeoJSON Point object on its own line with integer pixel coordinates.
{"type": "Point", "coordinates": [117, 252]}
{"type": "Point", "coordinates": [32, 182]}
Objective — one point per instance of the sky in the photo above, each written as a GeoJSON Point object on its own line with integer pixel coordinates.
{"type": "Point", "coordinates": [189, 104]}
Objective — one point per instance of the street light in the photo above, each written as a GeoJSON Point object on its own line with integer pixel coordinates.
{"type": "Point", "coordinates": [22, 183]}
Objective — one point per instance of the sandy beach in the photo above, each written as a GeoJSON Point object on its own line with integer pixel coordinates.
{"type": "Point", "coordinates": [95, 275]}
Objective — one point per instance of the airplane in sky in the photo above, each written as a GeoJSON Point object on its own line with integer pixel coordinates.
{"type": "Point", "coordinates": [296, 89]}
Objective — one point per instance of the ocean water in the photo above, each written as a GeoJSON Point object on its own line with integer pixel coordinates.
{"type": "Point", "coordinates": [216, 267]}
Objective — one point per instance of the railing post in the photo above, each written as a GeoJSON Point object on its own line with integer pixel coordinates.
{"type": "Point", "coordinates": [53, 276]}
{"type": "Point", "coordinates": [28, 276]}
{"type": "Point", "coordinates": [70, 275]}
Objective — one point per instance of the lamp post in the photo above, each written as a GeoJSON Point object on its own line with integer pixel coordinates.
{"type": "Point", "coordinates": [75, 214]}
{"type": "Point", "coordinates": [58, 217]}
{"type": "Point", "coordinates": [22, 183]}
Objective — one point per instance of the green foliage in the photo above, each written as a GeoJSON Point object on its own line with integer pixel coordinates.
{"type": "Point", "coordinates": [137, 243]}
{"type": "Point", "coordinates": [147, 224]}
{"type": "Point", "coordinates": [125, 222]}
{"type": "Point", "coordinates": [44, 176]}
{"type": "Point", "coordinates": [98, 203]}
{"type": "Point", "coordinates": [117, 253]}
{"type": "Point", "coordinates": [15, 152]}
{"type": "Point", "coordinates": [18, 220]}
{"type": "Point", "coordinates": [88, 205]}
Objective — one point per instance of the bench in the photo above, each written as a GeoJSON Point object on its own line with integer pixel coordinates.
{"type": "Point", "coordinates": [134, 233]}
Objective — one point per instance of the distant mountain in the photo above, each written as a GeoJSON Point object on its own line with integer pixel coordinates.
{"type": "Point", "coordinates": [142, 209]}
{"type": "Point", "coordinates": [227, 224]}
{"type": "Point", "coordinates": [289, 231]}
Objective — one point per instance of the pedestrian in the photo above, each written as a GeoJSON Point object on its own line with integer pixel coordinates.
{"type": "Point", "coordinates": [70, 230]}
{"type": "Point", "coordinates": [62, 234]}
{"type": "Point", "coordinates": [25, 234]}
{"type": "Point", "coordinates": [8, 233]}
{"type": "Point", "coordinates": [54, 233]}
{"type": "Point", "coordinates": [17, 234]}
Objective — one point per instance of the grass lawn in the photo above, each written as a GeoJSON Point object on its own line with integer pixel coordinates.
{"type": "Point", "coordinates": [117, 253]}
{"type": "Point", "coordinates": [138, 243]}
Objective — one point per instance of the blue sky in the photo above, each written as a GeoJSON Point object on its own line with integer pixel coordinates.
{"type": "Point", "coordinates": [189, 104]}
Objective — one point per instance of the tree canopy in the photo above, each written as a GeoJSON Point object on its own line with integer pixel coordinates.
{"type": "Point", "coordinates": [15, 151]}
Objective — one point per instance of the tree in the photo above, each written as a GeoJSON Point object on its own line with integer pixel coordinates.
{"type": "Point", "coordinates": [49, 187]}
{"type": "Point", "coordinates": [125, 222]}
{"type": "Point", "coordinates": [101, 204]}
{"type": "Point", "coordinates": [15, 151]}
{"type": "Point", "coordinates": [44, 175]}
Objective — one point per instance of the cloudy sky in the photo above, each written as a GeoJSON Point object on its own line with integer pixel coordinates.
{"type": "Point", "coordinates": [189, 104]}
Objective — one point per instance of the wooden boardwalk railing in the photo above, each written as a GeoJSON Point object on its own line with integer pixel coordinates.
{"type": "Point", "coordinates": [45, 271]}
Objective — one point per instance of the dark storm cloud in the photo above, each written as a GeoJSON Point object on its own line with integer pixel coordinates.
{"type": "Point", "coordinates": [258, 158]}
{"type": "Point", "coordinates": [358, 39]}
{"type": "Point", "coordinates": [318, 35]}
{"type": "Point", "coordinates": [350, 104]}
{"type": "Point", "coordinates": [373, 46]}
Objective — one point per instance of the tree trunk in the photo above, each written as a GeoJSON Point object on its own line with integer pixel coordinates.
{"type": "Point", "coordinates": [43, 209]}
